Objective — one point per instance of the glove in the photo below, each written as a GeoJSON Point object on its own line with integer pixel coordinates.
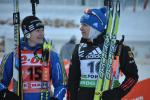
{"type": "Point", "coordinates": [53, 98]}
{"type": "Point", "coordinates": [8, 95]}
{"type": "Point", "coordinates": [111, 95]}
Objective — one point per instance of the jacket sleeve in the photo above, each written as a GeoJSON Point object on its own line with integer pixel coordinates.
{"type": "Point", "coordinates": [57, 76]}
{"type": "Point", "coordinates": [74, 76]}
{"type": "Point", "coordinates": [129, 69]}
{"type": "Point", "coordinates": [6, 70]}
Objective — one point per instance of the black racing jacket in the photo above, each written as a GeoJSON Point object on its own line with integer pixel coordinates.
{"type": "Point", "coordinates": [127, 66]}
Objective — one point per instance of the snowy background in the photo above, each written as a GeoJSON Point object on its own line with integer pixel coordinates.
{"type": "Point", "coordinates": [134, 25]}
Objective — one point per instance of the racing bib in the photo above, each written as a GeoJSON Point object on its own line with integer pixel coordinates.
{"type": "Point", "coordinates": [89, 72]}
{"type": "Point", "coordinates": [36, 76]}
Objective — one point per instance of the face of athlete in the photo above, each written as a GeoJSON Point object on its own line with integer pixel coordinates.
{"type": "Point", "coordinates": [85, 29]}
{"type": "Point", "coordinates": [36, 37]}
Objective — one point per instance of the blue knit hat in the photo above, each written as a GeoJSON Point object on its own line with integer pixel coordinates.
{"type": "Point", "coordinates": [95, 18]}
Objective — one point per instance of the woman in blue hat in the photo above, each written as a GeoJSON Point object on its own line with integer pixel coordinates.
{"type": "Point", "coordinates": [83, 72]}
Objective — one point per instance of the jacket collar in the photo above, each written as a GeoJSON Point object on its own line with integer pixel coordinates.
{"type": "Point", "coordinates": [97, 41]}
{"type": "Point", "coordinates": [25, 46]}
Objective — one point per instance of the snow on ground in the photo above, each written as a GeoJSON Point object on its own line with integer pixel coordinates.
{"type": "Point", "coordinates": [144, 71]}
{"type": "Point", "coordinates": [135, 26]}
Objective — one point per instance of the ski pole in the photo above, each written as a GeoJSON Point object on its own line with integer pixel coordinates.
{"type": "Point", "coordinates": [17, 72]}
{"type": "Point", "coordinates": [34, 3]}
